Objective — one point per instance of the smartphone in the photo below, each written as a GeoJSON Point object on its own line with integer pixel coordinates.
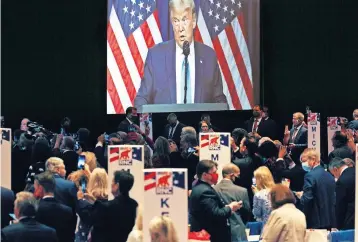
{"type": "Point", "coordinates": [106, 137]}
{"type": "Point", "coordinates": [190, 150]}
{"type": "Point", "coordinates": [254, 181]}
{"type": "Point", "coordinates": [83, 186]}
{"type": "Point", "coordinates": [81, 162]}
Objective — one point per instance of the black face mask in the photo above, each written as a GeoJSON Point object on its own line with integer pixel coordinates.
{"type": "Point", "coordinates": [173, 125]}
{"type": "Point", "coordinates": [256, 114]}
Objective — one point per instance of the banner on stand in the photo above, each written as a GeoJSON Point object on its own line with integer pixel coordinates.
{"type": "Point", "coordinates": [166, 194]}
{"type": "Point", "coordinates": [215, 147]}
{"type": "Point", "coordinates": [129, 158]}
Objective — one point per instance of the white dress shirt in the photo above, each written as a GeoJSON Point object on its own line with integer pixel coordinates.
{"type": "Point", "coordinates": [179, 65]}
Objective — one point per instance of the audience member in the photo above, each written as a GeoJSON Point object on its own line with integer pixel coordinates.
{"type": "Point", "coordinates": [261, 208]}
{"type": "Point", "coordinates": [248, 164]}
{"type": "Point", "coordinates": [104, 215]}
{"type": "Point", "coordinates": [318, 196]}
{"type": "Point", "coordinates": [160, 158]}
{"type": "Point", "coordinates": [345, 193]}
{"type": "Point", "coordinates": [173, 129]}
{"type": "Point", "coordinates": [65, 149]}
{"type": "Point", "coordinates": [50, 212]}
{"type": "Point", "coordinates": [26, 228]}
{"type": "Point", "coordinates": [286, 222]}
{"type": "Point", "coordinates": [161, 229]}
{"type": "Point", "coordinates": [131, 118]}
{"type": "Point", "coordinates": [40, 153]}
{"type": "Point", "coordinates": [340, 144]}
{"type": "Point", "coordinates": [354, 123]}
{"type": "Point", "coordinates": [229, 192]}
{"type": "Point", "coordinates": [206, 118]}
{"type": "Point", "coordinates": [349, 162]}
{"type": "Point", "coordinates": [136, 235]}
{"type": "Point", "coordinates": [207, 210]}
{"type": "Point", "coordinates": [83, 137]}
{"type": "Point", "coordinates": [7, 205]}
{"type": "Point", "coordinates": [296, 138]}
{"type": "Point", "coordinates": [236, 136]}
{"type": "Point", "coordinates": [258, 126]}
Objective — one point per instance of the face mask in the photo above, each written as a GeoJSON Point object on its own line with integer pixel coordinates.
{"type": "Point", "coordinates": [233, 178]}
{"type": "Point", "coordinates": [214, 178]}
{"type": "Point", "coordinates": [172, 125]}
{"type": "Point", "coordinates": [306, 167]}
{"type": "Point", "coordinates": [256, 114]}
{"type": "Point", "coordinates": [335, 179]}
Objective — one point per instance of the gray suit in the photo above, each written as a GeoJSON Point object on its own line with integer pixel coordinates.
{"type": "Point", "coordinates": [229, 192]}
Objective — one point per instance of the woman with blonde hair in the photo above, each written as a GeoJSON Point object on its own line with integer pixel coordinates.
{"type": "Point", "coordinates": [261, 204]}
{"type": "Point", "coordinates": [97, 189]}
{"type": "Point", "coordinates": [161, 229]}
{"type": "Point", "coordinates": [136, 235]}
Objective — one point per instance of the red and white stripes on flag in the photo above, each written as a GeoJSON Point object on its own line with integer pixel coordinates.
{"type": "Point", "coordinates": [234, 61]}
{"type": "Point", "coordinates": [126, 58]}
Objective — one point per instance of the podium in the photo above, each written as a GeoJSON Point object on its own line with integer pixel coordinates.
{"type": "Point", "coordinates": [168, 108]}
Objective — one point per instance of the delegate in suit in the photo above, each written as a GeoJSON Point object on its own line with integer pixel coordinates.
{"type": "Point", "coordinates": [164, 72]}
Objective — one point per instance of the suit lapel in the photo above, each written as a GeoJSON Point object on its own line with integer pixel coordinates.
{"type": "Point", "coordinates": [199, 67]}
{"type": "Point", "coordinates": [170, 69]}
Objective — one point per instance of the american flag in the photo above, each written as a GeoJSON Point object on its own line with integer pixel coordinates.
{"type": "Point", "coordinates": [149, 180]}
{"type": "Point", "coordinates": [134, 26]}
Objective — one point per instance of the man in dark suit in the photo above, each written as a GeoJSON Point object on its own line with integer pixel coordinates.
{"type": "Point", "coordinates": [247, 164]}
{"type": "Point", "coordinates": [50, 212]}
{"type": "Point", "coordinates": [173, 128]}
{"type": "Point", "coordinates": [229, 192]}
{"type": "Point", "coordinates": [129, 123]}
{"type": "Point", "coordinates": [318, 196]}
{"type": "Point", "coordinates": [113, 220]}
{"type": "Point", "coordinates": [207, 210]}
{"type": "Point", "coordinates": [26, 228]}
{"type": "Point", "coordinates": [65, 149]}
{"type": "Point", "coordinates": [164, 72]}
{"type": "Point", "coordinates": [259, 126]}
{"type": "Point", "coordinates": [7, 205]}
{"type": "Point", "coordinates": [345, 193]}
{"type": "Point", "coordinates": [296, 138]}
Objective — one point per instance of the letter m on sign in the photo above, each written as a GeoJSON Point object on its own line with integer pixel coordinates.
{"type": "Point", "coordinates": [314, 128]}
{"type": "Point", "coordinates": [214, 157]}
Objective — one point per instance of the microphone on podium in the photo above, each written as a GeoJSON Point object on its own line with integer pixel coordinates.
{"type": "Point", "coordinates": [186, 52]}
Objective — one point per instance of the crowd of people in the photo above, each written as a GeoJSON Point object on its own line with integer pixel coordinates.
{"type": "Point", "coordinates": [284, 185]}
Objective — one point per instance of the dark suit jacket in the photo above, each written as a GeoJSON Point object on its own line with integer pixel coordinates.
{"type": "Point", "coordinates": [65, 192]}
{"type": "Point", "coordinates": [158, 85]}
{"type": "Point", "coordinates": [266, 128]}
{"type": "Point", "coordinates": [7, 206]}
{"type": "Point", "coordinates": [301, 142]}
{"type": "Point", "coordinates": [177, 132]}
{"type": "Point", "coordinates": [229, 192]}
{"type": "Point", "coordinates": [353, 124]}
{"type": "Point", "coordinates": [345, 197]}
{"type": "Point", "coordinates": [70, 159]}
{"type": "Point", "coordinates": [296, 176]}
{"type": "Point", "coordinates": [209, 212]}
{"type": "Point", "coordinates": [341, 152]}
{"type": "Point", "coordinates": [58, 216]}
{"type": "Point", "coordinates": [318, 199]}
{"type": "Point", "coordinates": [29, 230]}
{"type": "Point", "coordinates": [247, 167]}
{"type": "Point", "coordinates": [112, 220]}
{"type": "Point", "coordinates": [124, 126]}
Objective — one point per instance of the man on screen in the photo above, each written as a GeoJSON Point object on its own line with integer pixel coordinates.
{"type": "Point", "coordinates": [164, 71]}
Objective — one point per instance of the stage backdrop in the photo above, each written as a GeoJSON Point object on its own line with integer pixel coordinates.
{"type": "Point", "coordinates": [230, 28]}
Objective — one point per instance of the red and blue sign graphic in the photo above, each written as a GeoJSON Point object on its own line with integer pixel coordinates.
{"type": "Point", "coordinates": [164, 182]}
{"type": "Point", "coordinates": [125, 155]}
{"type": "Point", "coordinates": [214, 141]}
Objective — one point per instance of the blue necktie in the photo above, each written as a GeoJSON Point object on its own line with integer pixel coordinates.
{"type": "Point", "coordinates": [188, 92]}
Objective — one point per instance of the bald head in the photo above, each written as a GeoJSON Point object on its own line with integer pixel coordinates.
{"type": "Point", "coordinates": [230, 171]}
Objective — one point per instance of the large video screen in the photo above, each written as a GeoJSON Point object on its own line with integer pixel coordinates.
{"type": "Point", "coordinates": [183, 52]}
